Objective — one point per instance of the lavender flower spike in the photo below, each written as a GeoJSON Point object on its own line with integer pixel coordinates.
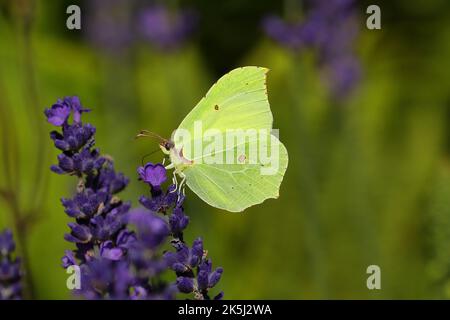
{"type": "Point", "coordinates": [116, 262]}
{"type": "Point", "coordinates": [10, 273]}
{"type": "Point", "coordinates": [191, 266]}
{"type": "Point", "coordinates": [99, 229]}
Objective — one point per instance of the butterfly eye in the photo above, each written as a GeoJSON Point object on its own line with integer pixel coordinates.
{"type": "Point", "coordinates": [168, 145]}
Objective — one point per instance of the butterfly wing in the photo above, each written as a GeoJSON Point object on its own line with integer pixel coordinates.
{"type": "Point", "coordinates": [237, 101]}
{"type": "Point", "coordinates": [235, 187]}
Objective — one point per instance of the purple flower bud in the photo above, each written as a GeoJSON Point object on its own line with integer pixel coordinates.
{"type": "Point", "coordinates": [219, 296]}
{"type": "Point", "coordinates": [108, 251]}
{"type": "Point", "coordinates": [215, 277]}
{"type": "Point", "coordinates": [197, 248]}
{"type": "Point", "coordinates": [74, 137]}
{"type": "Point", "coordinates": [68, 259]}
{"type": "Point", "coordinates": [85, 204]}
{"type": "Point", "coordinates": [202, 280]}
{"type": "Point", "coordinates": [105, 227]}
{"type": "Point", "coordinates": [190, 258]}
{"type": "Point", "coordinates": [178, 221]}
{"type": "Point", "coordinates": [152, 230]}
{"type": "Point", "coordinates": [185, 284]}
{"type": "Point", "coordinates": [206, 266]}
{"type": "Point", "coordinates": [75, 105]}
{"type": "Point", "coordinates": [79, 233]}
{"type": "Point", "coordinates": [66, 163]}
{"type": "Point", "coordinates": [96, 277]}
{"type": "Point", "coordinates": [159, 201]}
{"type": "Point", "coordinates": [179, 267]}
{"type": "Point", "coordinates": [205, 278]}
{"type": "Point", "coordinates": [125, 239]}
{"type": "Point", "coordinates": [109, 179]}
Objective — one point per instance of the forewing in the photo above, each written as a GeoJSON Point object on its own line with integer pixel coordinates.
{"type": "Point", "coordinates": [237, 100]}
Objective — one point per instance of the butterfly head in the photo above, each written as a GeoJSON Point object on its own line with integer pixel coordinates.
{"type": "Point", "coordinates": [166, 146]}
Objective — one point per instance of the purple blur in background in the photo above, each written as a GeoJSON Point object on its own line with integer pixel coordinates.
{"type": "Point", "coordinates": [331, 29]}
{"type": "Point", "coordinates": [116, 25]}
{"type": "Point", "coordinates": [166, 29]}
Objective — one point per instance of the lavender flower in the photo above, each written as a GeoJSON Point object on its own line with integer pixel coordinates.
{"type": "Point", "coordinates": [152, 230]}
{"type": "Point", "coordinates": [330, 28]}
{"type": "Point", "coordinates": [154, 175]}
{"type": "Point", "coordinates": [193, 269]}
{"type": "Point", "coordinates": [59, 112]}
{"type": "Point", "coordinates": [116, 262]}
{"type": "Point", "coordinates": [178, 221]}
{"type": "Point", "coordinates": [104, 278]}
{"type": "Point", "coordinates": [99, 230]}
{"type": "Point", "coordinates": [10, 272]}
{"type": "Point", "coordinates": [164, 29]}
{"type": "Point", "coordinates": [191, 266]}
{"type": "Point", "coordinates": [160, 201]}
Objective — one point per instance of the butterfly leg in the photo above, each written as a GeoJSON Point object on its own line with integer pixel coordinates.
{"type": "Point", "coordinates": [175, 182]}
{"type": "Point", "coordinates": [181, 185]}
{"type": "Point", "coordinates": [183, 180]}
{"type": "Point", "coordinates": [170, 166]}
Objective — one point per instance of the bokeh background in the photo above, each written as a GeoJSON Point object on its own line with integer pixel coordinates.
{"type": "Point", "coordinates": [364, 114]}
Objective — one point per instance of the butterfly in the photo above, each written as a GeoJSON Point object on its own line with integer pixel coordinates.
{"type": "Point", "coordinates": [243, 162]}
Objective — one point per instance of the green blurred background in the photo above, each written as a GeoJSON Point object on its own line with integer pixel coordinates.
{"type": "Point", "coordinates": [369, 176]}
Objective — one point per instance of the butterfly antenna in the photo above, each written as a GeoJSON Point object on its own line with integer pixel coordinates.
{"type": "Point", "coordinates": [149, 134]}
{"type": "Point", "coordinates": [148, 155]}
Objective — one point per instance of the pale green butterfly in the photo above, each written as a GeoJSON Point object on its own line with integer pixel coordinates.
{"type": "Point", "coordinates": [232, 174]}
